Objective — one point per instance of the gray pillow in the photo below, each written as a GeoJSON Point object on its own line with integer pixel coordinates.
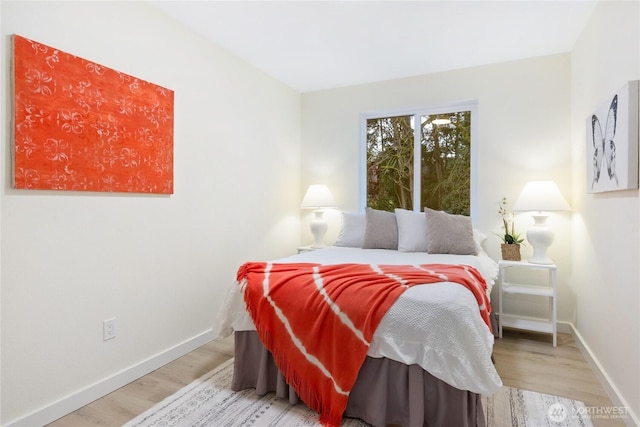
{"type": "Point", "coordinates": [381, 231]}
{"type": "Point", "coordinates": [449, 234]}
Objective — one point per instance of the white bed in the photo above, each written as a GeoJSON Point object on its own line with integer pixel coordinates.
{"type": "Point", "coordinates": [430, 357]}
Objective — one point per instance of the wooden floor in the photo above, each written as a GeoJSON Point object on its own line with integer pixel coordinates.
{"type": "Point", "coordinates": [529, 361]}
{"type": "Point", "coordinates": [523, 360]}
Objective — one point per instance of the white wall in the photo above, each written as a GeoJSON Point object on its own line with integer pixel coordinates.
{"type": "Point", "coordinates": [606, 226]}
{"type": "Point", "coordinates": [523, 134]}
{"type": "Point", "coordinates": [158, 264]}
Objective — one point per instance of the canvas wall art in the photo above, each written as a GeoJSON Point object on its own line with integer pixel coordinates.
{"type": "Point", "coordinates": [612, 142]}
{"type": "Point", "coordinates": [81, 126]}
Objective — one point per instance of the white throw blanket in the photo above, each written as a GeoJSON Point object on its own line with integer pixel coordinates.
{"type": "Point", "coordinates": [437, 327]}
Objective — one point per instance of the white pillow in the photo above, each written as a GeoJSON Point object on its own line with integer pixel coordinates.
{"type": "Point", "coordinates": [479, 237]}
{"type": "Point", "coordinates": [412, 231]}
{"type": "Point", "coordinates": [352, 230]}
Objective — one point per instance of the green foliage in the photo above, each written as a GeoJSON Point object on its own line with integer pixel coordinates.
{"type": "Point", "coordinates": [445, 163]}
{"type": "Point", "coordinates": [390, 163]}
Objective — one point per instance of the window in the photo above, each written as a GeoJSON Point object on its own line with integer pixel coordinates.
{"type": "Point", "coordinates": [438, 152]}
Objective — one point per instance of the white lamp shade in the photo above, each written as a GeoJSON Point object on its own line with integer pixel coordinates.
{"type": "Point", "coordinates": [541, 196]}
{"type": "Point", "coordinates": [318, 196]}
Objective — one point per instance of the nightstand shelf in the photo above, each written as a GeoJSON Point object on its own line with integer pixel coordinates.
{"type": "Point", "coordinates": [549, 291]}
{"type": "Point", "coordinates": [509, 288]}
{"type": "Point", "coordinates": [527, 323]}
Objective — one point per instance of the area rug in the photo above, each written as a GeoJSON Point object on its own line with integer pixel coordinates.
{"type": "Point", "coordinates": [209, 401]}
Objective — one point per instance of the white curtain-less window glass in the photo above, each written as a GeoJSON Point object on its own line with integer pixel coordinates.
{"type": "Point", "coordinates": [437, 152]}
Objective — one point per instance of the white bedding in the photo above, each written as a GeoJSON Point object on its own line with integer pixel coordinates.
{"type": "Point", "coordinates": [436, 326]}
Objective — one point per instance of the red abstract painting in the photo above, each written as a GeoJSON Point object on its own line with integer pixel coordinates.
{"type": "Point", "coordinates": [81, 126]}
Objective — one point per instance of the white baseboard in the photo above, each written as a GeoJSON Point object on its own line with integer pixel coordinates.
{"type": "Point", "coordinates": [610, 388]}
{"type": "Point", "coordinates": [87, 395]}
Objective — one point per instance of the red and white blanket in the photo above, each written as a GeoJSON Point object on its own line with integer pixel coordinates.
{"type": "Point", "coordinates": [318, 320]}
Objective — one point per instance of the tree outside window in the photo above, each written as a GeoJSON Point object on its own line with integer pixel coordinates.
{"type": "Point", "coordinates": [442, 150]}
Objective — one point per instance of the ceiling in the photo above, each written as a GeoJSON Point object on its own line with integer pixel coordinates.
{"type": "Point", "coordinates": [315, 45]}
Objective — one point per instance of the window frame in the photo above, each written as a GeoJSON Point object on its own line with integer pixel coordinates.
{"type": "Point", "coordinates": [471, 106]}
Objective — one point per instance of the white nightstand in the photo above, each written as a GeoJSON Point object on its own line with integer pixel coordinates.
{"type": "Point", "coordinates": [550, 291]}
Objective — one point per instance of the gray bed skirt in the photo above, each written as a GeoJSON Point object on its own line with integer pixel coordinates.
{"type": "Point", "coordinates": [386, 392]}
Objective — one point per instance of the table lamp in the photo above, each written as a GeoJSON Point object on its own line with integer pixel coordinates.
{"type": "Point", "coordinates": [318, 197]}
{"type": "Point", "coordinates": [540, 197]}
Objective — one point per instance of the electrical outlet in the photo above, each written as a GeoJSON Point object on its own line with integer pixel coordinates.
{"type": "Point", "coordinates": [108, 329]}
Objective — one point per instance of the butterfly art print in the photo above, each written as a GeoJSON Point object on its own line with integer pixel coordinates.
{"type": "Point", "coordinates": [612, 143]}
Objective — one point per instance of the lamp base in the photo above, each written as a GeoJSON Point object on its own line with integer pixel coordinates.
{"type": "Point", "coordinates": [318, 229]}
{"type": "Point", "coordinates": [540, 260]}
{"type": "Point", "coordinates": [540, 236]}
